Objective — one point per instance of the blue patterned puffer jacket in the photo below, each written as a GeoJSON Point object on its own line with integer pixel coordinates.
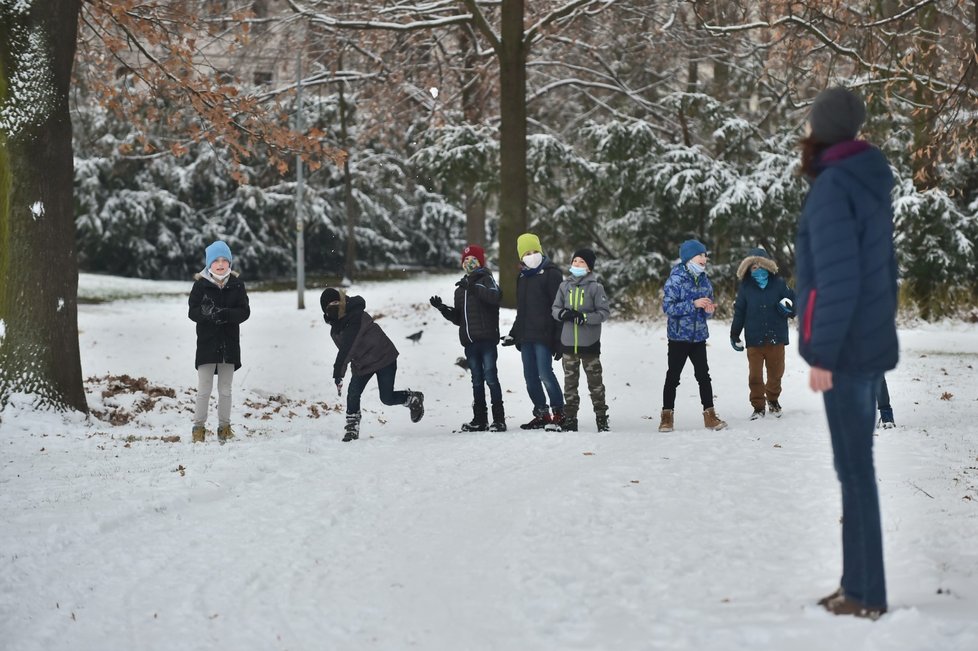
{"type": "Point", "coordinates": [686, 322]}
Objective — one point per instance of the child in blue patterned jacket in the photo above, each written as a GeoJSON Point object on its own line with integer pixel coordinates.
{"type": "Point", "coordinates": [688, 303]}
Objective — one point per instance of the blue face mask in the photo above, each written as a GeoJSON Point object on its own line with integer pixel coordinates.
{"type": "Point", "coordinates": [760, 276]}
{"type": "Point", "coordinates": [695, 269]}
{"type": "Point", "coordinates": [578, 272]}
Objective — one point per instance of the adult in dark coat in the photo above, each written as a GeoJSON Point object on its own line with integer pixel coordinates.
{"type": "Point", "coordinates": [847, 301]}
{"type": "Point", "coordinates": [475, 311]}
{"type": "Point", "coordinates": [363, 346]}
{"type": "Point", "coordinates": [218, 304]}
{"type": "Point", "coordinates": [762, 309]}
{"type": "Point", "coordinates": [535, 333]}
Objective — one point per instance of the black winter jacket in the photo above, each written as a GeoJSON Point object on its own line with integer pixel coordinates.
{"type": "Point", "coordinates": [476, 311]}
{"type": "Point", "coordinates": [536, 290]}
{"type": "Point", "coordinates": [218, 342]}
{"type": "Point", "coordinates": [756, 310]}
{"type": "Point", "coordinates": [362, 343]}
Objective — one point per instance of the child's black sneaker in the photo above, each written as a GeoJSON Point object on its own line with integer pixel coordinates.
{"type": "Point", "coordinates": [415, 402]}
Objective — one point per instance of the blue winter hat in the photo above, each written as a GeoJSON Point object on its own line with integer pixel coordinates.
{"type": "Point", "coordinates": [218, 249]}
{"type": "Point", "coordinates": [690, 249]}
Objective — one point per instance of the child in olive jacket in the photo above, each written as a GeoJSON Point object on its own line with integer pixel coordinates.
{"type": "Point", "coordinates": [218, 305]}
{"type": "Point", "coordinates": [762, 309]}
{"type": "Point", "coordinates": [582, 305]}
{"type": "Point", "coordinates": [363, 346]}
{"type": "Point", "coordinates": [476, 313]}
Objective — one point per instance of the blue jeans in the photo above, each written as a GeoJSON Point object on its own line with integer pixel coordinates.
{"type": "Point", "coordinates": [883, 402]}
{"type": "Point", "coordinates": [481, 356]}
{"type": "Point", "coordinates": [538, 372]}
{"type": "Point", "coordinates": [850, 408]}
{"type": "Point", "coordinates": [385, 382]}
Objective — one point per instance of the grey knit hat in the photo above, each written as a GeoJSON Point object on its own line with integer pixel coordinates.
{"type": "Point", "coordinates": [837, 114]}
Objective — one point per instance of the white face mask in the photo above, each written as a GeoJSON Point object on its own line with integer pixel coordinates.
{"type": "Point", "coordinates": [220, 277]}
{"type": "Point", "coordinates": [695, 269]}
{"type": "Point", "coordinates": [533, 260]}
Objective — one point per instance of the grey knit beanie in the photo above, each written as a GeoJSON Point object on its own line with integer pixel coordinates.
{"type": "Point", "coordinates": [837, 114]}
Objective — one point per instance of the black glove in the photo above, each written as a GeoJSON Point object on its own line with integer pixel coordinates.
{"type": "Point", "coordinates": [566, 314]}
{"type": "Point", "coordinates": [557, 356]}
{"type": "Point", "coordinates": [735, 343]}
{"type": "Point", "coordinates": [207, 306]}
{"type": "Point", "coordinates": [338, 381]}
{"type": "Point", "coordinates": [436, 302]}
{"type": "Point", "coordinates": [507, 341]}
{"type": "Point", "coordinates": [219, 315]}
{"type": "Point", "coordinates": [581, 318]}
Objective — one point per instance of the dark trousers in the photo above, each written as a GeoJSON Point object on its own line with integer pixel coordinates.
{"type": "Point", "coordinates": [883, 401]}
{"type": "Point", "coordinates": [849, 408]}
{"type": "Point", "coordinates": [385, 382]}
{"type": "Point", "coordinates": [481, 357]}
{"type": "Point", "coordinates": [679, 352]}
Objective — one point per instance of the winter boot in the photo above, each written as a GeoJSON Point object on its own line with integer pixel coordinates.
{"type": "Point", "coordinates": [665, 421]}
{"type": "Point", "coordinates": [498, 418]}
{"type": "Point", "coordinates": [556, 423]}
{"type": "Point", "coordinates": [540, 419]}
{"type": "Point", "coordinates": [224, 433]}
{"type": "Point", "coordinates": [569, 424]}
{"type": "Point", "coordinates": [415, 402]}
{"type": "Point", "coordinates": [602, 421]}
{"type": "Point", "coordinates": [197, 434]}
{"type": "Point", "coordinates": [886, 419]}
{"type": "Point", "coordinates": [479, 422]}
{"type": "Point", "coordinates": [352, 430]}
{"type": "Point", "coordinates": [712, 421]}
{"type": "Point", "coordinates": [758, 414]}
{"type": "Point", "coordinates": [774, 407]}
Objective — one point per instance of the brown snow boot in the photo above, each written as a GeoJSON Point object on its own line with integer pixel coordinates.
{"type": "Point", "coordinates": [198, 433]}
{"type": "Point", "coordinates": [224, 433]}
{"type": "Point", "coordinates": [712, 421]}
{"type": "Point", "coordinates": [665, 421]}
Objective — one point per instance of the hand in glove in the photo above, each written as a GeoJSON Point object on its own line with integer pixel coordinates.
{"type": "Point", "coordinates": [581, 318]}
{"type": "Point", "coordinates": [507, 341]}
{"type": "Point", "coordinates": [786, 308]}
{"type": "Point", "coordinates": [339, 385]}
{"type": "Point", "coordinates": [436, 302]}
{"type": "Point", "coordinates": [566, 314]}
{"type": "Point", "coordinates": [735, 343]}
{"type": "Point", "coordinates": [557, 356]}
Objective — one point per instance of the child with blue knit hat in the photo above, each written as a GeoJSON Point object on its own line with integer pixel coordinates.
{"type": "Point", "coordinates": [218, 305]}
{"type": "Point", "coordinates": [688, 303]}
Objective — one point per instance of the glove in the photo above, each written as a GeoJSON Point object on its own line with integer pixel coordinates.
{"type": "Point", "coordinates": [436, 302]}
{"type": "Point", "coordinates": [339, 385]}
{"type": "Point", "coordinates": [507, 341]}
{"type": "Point", "coordinates": [785, 311]}
{"type": "Point", "coordinates": [557, 356]}
{"type": "Point", "coordinates": [581, 318]}
{"type": "Point", "coordinates": [218, 315]}
{"type": "Point", "coordinates": [735, 343]}
{"type": "Point", "coordinates": [566, 314]}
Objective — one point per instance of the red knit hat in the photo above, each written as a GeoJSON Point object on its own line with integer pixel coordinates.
{"type": "Point", "coordinates": [476, 252]}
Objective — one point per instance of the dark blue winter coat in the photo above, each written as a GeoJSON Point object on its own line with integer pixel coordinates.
{"type": "Point", "coordinates": [686, 322]}
{"type": "Point", "coordinates": [756, 310]}
{"type": "Point", "coordinates": [846, 266]}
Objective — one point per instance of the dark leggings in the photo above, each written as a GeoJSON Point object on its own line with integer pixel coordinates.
{"type": "Point", "coordinates": [385, 382]}
{"type": "Point", "coordinates": [679, 352]}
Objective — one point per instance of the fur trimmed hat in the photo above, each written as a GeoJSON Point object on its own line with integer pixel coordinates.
{"type": "Point", "coordinates": [331, 295]}
{"type": "Point", "coordinates": [757, 256]}
{"type": "Point", "coordinates": [476, 252]}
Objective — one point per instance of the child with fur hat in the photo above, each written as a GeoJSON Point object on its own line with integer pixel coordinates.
{"type": "Point", "coordinates": [535, 333]}
{"type": "Point", "coordinates": [218, 305]}
{"type": "Point", "coordinates": [475, 310]}
{"type": "Point", "coordinates": [582, 306]}
{"type": "Point", "coordinates": [363, 346]}
{"type": "Point", "coordinates": [688, 303]}
{"type": "Point", "coordinates": [763, 306]}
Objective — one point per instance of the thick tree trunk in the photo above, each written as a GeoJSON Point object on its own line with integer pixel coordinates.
{"type": "Point", "coordinates": [472, 109]}
{"type": "Point", "coordinates": [39, 353]}
{"type": "Point", "coordinates": [512, 146]}
{"type": "Point", "coordinates": [350, 259]}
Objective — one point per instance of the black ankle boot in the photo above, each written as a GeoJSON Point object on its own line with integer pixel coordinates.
{"type": "Point", "coordinates": [480, 420]}
{"type": "Point", "coordinates": [498, 418]}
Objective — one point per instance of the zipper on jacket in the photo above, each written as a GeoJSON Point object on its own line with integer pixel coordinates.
{"type": "Point", "coordinates": [465, 313]}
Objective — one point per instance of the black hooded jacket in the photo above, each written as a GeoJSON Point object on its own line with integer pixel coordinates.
{"type": "Point", "coordinates": [362, 343]}
{"type": "Point", "coordinates": [476, 311]}
{"type": "Point", "coordinates": [218, 311]}
{"type": "Point", "coordinates": [536, 290]}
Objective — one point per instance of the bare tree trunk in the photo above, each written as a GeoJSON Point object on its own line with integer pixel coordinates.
{"type": "Point", "coordinates": [512, 145]}
{"type": "Point", "coordinates": [39, 352]}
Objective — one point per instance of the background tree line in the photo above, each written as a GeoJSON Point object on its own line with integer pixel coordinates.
{"type": "Point", "coordinates": [625, 125]}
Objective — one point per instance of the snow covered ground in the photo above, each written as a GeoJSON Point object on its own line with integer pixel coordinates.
{"type": "Point", "coordinates": [117, 536]}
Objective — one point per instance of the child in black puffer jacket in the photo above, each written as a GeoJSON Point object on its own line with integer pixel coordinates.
{"type": "Point", "coordinates": [476, 313]}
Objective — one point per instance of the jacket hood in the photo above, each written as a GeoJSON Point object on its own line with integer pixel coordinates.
{"type": "Point", "coordinates": [743, 269]}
